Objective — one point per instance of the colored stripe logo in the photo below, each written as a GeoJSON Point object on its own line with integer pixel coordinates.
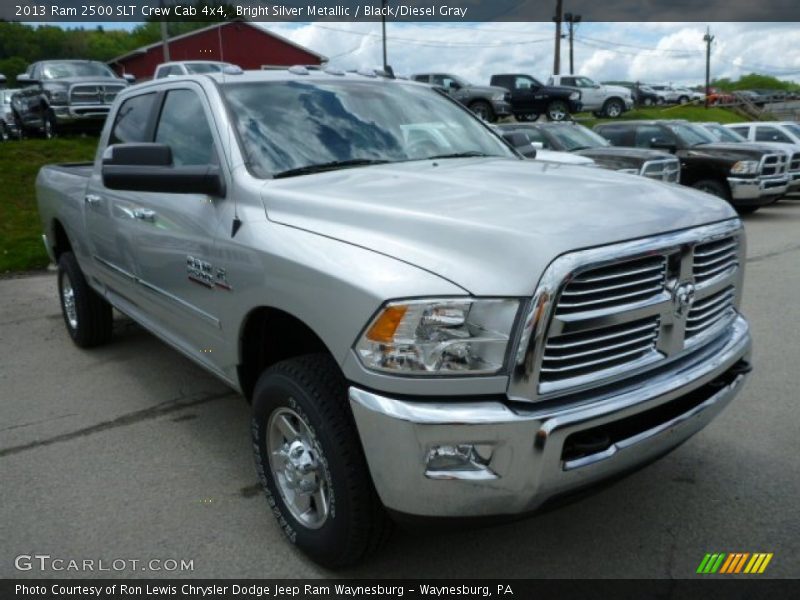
{"type": "Point", "coordinates": [734, 563]}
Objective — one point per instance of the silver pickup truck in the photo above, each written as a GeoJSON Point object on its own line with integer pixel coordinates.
{"type": "Point", "coordinates": [426, 324]}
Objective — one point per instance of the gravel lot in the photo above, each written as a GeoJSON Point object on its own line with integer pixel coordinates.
{"type": "Point", "coordinates": [130, 451]}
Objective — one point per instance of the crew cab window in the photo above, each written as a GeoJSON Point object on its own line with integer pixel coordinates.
{"type": "Point", "coordinates": [422, 78]}
{"type": "Point", "coordinates": [743, 131]}
{"type": "Point", "coordinates": [184, 128]}
{"type": "Point", "coordinates": [130, 122]}
{"type": "Point", "coordinates": [524, 83]}
{"type": "Point", "coordinates": [568, 81]}
{"type": "Point", "coordinates": [771, 134]}
{"type": "Point", "coordinates": [618, 136]}
{"type": "Point", "coordinates": [648, 136]}
{"type": "Point", "coordinates": [445, 81]}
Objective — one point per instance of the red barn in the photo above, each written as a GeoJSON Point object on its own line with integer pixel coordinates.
{"type": "Point", "coordinates": [239, 42]}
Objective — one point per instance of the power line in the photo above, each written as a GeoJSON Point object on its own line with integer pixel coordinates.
{"type": "Point", "coordinates": [414, 41]}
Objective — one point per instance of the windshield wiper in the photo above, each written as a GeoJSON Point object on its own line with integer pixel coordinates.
{"type": "Point", "coordinates": [467, 154]}
{"type": "Point", "coordinates": [330, 166]}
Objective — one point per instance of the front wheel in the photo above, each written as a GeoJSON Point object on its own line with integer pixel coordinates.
{"type": "Point", "coordinates": [613, 108]}
{"type": "Point", "coordinates": [88, 317]}
{"type": "Point", "coordinates": [49, 125]}
{"type": "Point", "coordinates": [483, 110]}
{"type": "Point", "coordinates": [648, 102]}
{"type": "Point", "coordinates": [311, 464]}
{"type": "Point", "coordinates": [713, 187]}
{"type": "Point", "coordinates": [557, 110]}
{"type": "Point", "coordinates": [683, 100]}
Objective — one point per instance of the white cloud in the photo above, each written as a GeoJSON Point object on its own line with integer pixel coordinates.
{"type": "Point", "coordinates": [651, 52]}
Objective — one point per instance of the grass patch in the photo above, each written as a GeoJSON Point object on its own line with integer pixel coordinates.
{"type": "Point", "coordinates": [21, 247]}
{"type": "Point", "coordinates": [685, 111]}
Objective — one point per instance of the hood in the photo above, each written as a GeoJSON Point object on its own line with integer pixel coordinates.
{"type": "Point", "coordinates": [774, 147]}
{"type": "Point", "coordinates": [616, 157]}
{"type": "Point", "coordinates": [732, 151]}
{"type": "Point", "coordinates": [490, 225]}
{"type": "Point", "coordinates": [565, 158]}
{"type": "Point", "coordinates": [69, 81]}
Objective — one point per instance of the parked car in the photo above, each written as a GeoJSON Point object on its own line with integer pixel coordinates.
{"type": "Point", "coordinates": [516, 135]}
{"type": "Point", "coordinates": [746, 177]}
{"type": "Point", "coordinates": [576, 139]}
{"type": "Point", "coordinates": [424, 323]}
{"type": "Point", "coordinates": [61, 94]}
{"type": "Point", "coordinates": [726, 134]}
{"type": "Point", "coordinates": [603, 100]}
{"type": "Point", "coordinates": [750, 96]}
{"type": "Point", "coordinates": [642, 94]}
{"type": "Point", "coordinates": [684, 95]}
{"type": "Point", "coordinates": [718, 96]}
{"type": "Point", "coordinates": [190, 67]}
{"type": "Point", "coordinates": [8, 124]}
{"type": "Point", "coordinates": [783, 132]}
{"type": "Point", "coordinates": [664, 92]}
{"type": "Point", "coordinates": [488, 102]}
{"type": "Point", "coordinates": [531, 98]}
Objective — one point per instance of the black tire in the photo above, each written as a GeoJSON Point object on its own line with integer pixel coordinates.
{"type": "Point", "coordinates": [5, 135]}
{"type": "Point", "coordinates": [557, 111]}
{"type": "Point", "coordinates": [49, 125]}
{"type": "Point", "coordinates": [648, 102]}
{"type": "Point", "coordinates": [613, 108]}
{"type": "Point", "coordinates": [312, 388]}
{"type": "Point", "coordinates": [713, 187]}
{"type": "Point", "coordinates": [660, 101]}
{"type": "Point", "coordinates": [483, 110]}
{"type": "Point", "coordinates": [89, 320]}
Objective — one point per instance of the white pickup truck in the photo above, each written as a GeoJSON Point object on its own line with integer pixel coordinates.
{"type": "Point", "coordinates": [425, 323]}
{"type": "Point", "coordinates": [602, 100]}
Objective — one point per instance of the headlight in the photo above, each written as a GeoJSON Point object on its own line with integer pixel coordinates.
{"type": "Point", "coordinates": [58, 96]}
{"type": "Point", "coordinates": [575, 96]}
{"type": "Point", "coordinates": [745, 167]}
{"type": "Point", "coordinates": [499, 97]}
{"type": "Point", "coordinates": [439, 337]}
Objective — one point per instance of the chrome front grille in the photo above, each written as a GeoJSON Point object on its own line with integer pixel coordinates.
{"type": "Point", "coordinates": [773, 164]}
{"type": "Point", "coordinates": [579, 354]}
{"type": "Point", "coordinates": [715, 258]}
{"type": "Point", "coordinates": [94, 94]}
{"type": "Point", "coordinates": [794, 165]}
{"type": "Point", "coordinates": [708, 313]}
{"type": "Point", "coordinates": [668, 169]}
{"type": "Point", "coordinates": [615, 285]}
{"type": "Point", "coordinates": [609, 313]}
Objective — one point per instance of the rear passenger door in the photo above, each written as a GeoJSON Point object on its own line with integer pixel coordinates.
{"type": "Point", "coordinates": [765, 133]}
{"type": "Point", "coordinates": [175, 234]}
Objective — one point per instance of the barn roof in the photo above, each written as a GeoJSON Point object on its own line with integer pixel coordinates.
{"type": "Point", "coordinates": [145, 49]}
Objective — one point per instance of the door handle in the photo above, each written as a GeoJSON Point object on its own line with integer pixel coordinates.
{"type": "Point", "coordinates": [92, 199]}
{"type": "Point", "coordinates": [144, 214]}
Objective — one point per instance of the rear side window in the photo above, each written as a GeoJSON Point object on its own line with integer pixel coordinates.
{"type": "Point", "coordinates": [743, 131]}
{"type": "Point", "coordinates": [130, 122]}
{"type": "Point", "coordinates": [422, 78]}
{"type": "Point", "coordinates": [648, 136]}
{"type": "Point", "coordinates": [771, 134]}
{"type": "Point", "coordinates": [183, 126]}
{"type": "Point", "coordinates": [616, 135]}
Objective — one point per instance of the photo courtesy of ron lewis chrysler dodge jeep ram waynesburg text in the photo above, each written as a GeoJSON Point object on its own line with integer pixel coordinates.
{"type": "Point", "coordinates": [425, 323]}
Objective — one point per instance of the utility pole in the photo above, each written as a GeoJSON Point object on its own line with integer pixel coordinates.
{"type": "Point", "coordinates": [573, 20]}
{"type": "Point", "coordinates": [557, 53]}
{"type": "Point", "coordinates": [383, 30]}
{"type": "Point", "coordinates": [708, 38]}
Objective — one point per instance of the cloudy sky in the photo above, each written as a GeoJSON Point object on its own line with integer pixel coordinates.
{"type": "Point", "coordinates": [653, 52]}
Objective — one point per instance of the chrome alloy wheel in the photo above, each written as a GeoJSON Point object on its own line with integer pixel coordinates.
{"type": "Point", "coordinates": [297, 465]}
{"type": "Point", "coordinates": [68, 299]}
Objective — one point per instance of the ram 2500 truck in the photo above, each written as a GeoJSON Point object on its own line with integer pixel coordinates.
{"type": "Point", "coordinates": [425, 323]}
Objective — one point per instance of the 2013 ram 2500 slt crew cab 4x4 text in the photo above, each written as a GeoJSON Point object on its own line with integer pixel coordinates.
{"type": "Point", "coordinates": [424, 322]}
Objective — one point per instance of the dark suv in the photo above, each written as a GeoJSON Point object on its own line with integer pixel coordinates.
{"type": "Point", "coordinates": [488, 102]}
{"type": "Point", "coordinates": [747, 177]}
{"type": "Point", "coordinates": [531, 98]}
{"type": "Point", "coordinates": [57, 94]}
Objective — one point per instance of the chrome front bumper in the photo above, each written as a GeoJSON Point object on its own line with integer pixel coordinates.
{"type": "Point", "coordinates": [66, 115]}
{"type": "Point", "coordinates": [516, 454]}
{"type": "Point", "coordinates": [757, 188]}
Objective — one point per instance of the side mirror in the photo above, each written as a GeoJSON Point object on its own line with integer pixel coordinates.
{"type": "Point", "coordinates": [149, 168]}
{"type": "Point", "coordinates": [25, 78]}
{"type": "Point", "coordinates": [657, 144]}
{"type": "Point", "coordinates": [131, 79]}
{"type": "Point", "coordinates": [538, 145]}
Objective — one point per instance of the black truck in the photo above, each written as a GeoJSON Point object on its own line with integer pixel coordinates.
{"type": "Point", "coordinates": [747, 177]}
{"type": "Point", "coordinates": [61, 94]}
{"type": "Point", "coordinates": [575, 138]}
{"type": "Point", "coordinates": [531, 98]}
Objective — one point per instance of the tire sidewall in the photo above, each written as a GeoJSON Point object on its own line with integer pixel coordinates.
{"type": "Point", "coordinates": [276, 391]}
{"type": "Point", "coordinates": [66, 271]}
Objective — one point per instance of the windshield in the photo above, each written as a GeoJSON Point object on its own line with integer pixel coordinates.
{"type": "Point", "coordinates": [576, 137]}
{"type": "Point", "coordinates": [58, 70]}
{"type": "Point", "coordinates": [290, 125]}
{"type": "Point", "coordinates": [205, 67]}
{"type": "Point", "coordinates": [691, 135]}
{"type": "Point", "coordinates": [723, 134]}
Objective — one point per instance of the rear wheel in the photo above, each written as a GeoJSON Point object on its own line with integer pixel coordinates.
{"type": "Point", "coordinates": [557, 110]}
{"type": "Point", "coordinates": [660, 101]}
{"type": "Point", "coordinates": [683, 100]}
{"type": "Point", "coordinates": [311, 464]}
{"type": "Point", "coordinates": [87, 315]}
{"type": "Point", "coordinates": [613, 108]}
{"type": "Point", "coordinates": [483, 110]}
{"type": "Point", "coordinates": [648, 102]}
